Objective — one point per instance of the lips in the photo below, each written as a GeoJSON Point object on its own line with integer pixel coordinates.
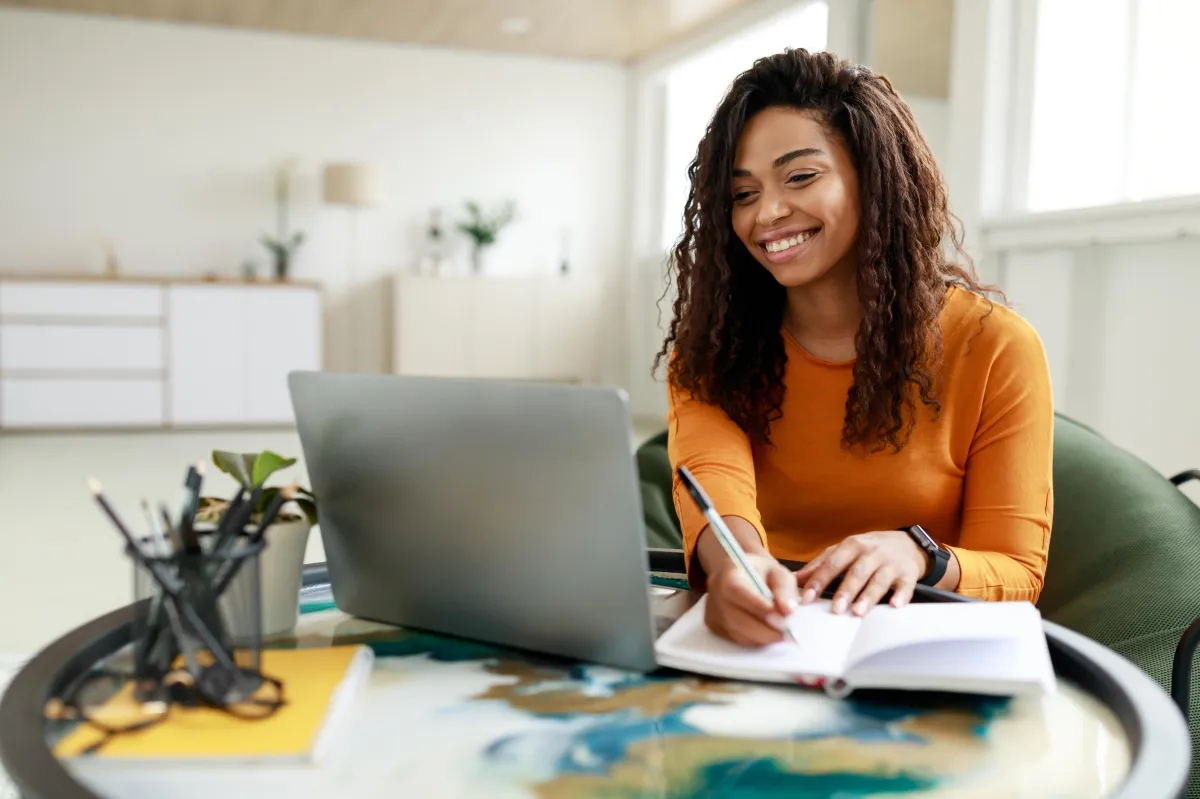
{"type": "Point", "coordinates": [787, 247]}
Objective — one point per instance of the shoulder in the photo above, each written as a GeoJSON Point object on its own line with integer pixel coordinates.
{"type": "Point", "coordinates": [986, 331]}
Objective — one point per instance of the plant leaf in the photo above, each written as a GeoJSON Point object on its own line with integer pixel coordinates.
{"type": "Point", "coordinates": [266, 464]}
{"type": "Point", "coordinates": [238, 466]}
{"type": "Point", "coordinates": [308, 507]}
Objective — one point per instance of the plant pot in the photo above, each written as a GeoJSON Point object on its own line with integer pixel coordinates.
{"type": "Point", "coordinates": [280, 569]}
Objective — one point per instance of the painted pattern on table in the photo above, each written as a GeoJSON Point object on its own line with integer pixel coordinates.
{"type": "Point", "coordinates": [497, 723]}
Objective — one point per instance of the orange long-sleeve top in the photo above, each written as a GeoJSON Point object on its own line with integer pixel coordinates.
{"type": "Point", "coordinates": [977, 477]}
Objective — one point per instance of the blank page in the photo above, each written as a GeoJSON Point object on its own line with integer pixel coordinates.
{"type": "Point", "coordinates": [886, 628]}
{"type": "Point", "coordinates": [825, 643]}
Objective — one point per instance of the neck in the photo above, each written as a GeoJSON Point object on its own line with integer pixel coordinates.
{"type": "Point", "coordinates": [824, 316]}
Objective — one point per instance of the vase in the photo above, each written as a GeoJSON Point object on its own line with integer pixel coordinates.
{"type": "Point", "coordinates": [479, 260]}
{"type": "Point", "coordinates": [281, 263]}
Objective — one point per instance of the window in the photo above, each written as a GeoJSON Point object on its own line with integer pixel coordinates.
{"type": "Point", "coordinates": [694, 87]}
{"type": "Point", "coordinates": [1112, 116]}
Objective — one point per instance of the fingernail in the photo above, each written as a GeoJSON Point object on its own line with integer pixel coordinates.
{"type": "Point", "coordinates": [793, 603]}
{"type": "Point", "coordinates": [809, 595]}
{"type": "Point", "coordinates": [860, 607]}
{"type": "Point", "coordinates": [839, 604]}
{"type": "Point", "coordinates": [776, 621]}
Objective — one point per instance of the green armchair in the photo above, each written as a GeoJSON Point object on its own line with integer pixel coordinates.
{"type": "Point", "coordinates": [1124, 563]}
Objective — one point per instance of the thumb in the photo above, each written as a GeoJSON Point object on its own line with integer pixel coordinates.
{"type": "Point", "coordinates": [783, 585]}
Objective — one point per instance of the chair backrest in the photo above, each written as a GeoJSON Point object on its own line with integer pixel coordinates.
{"type": "Point", "coordinates": [1125, 543]}
{"type": "Point", "coordinates": [658, 507]}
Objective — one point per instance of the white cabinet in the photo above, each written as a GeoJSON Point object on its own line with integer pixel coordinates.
{"type": "Point", "coordinates": [90, 353]}
{"type": "Point", "coordinates": [283, 334]}
{"type": "Point", "coordinates": [544, 329]}
{"type": "Point", "coordinates": [206, 329]}
{"type": "Point", "coordinates": [232, 348]}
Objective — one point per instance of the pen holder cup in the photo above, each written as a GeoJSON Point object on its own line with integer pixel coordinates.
{"type": "Point", "coordinates": [222, 591]}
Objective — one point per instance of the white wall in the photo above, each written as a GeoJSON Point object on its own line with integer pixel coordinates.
{"type": "Point", "coordinates": [933, 118]}
{"type": "Point", "coordinates": [163, 138]}
{"type": "Point", "coordinates": [1118, 324]}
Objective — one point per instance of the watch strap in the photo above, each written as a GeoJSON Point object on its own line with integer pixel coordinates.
{"type": "Point", "coordinates": [939, 557]}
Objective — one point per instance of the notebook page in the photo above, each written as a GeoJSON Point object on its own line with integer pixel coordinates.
{"type": "Point", "coordinates": [825, 641]}
{"type": "Point", "coordinates": [886, 628]}
{"type": "Point", "coordinates": [1004, 666]}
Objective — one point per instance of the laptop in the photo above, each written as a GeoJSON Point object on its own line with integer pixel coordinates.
{"type": "Point", "coordinates": [498, 511]}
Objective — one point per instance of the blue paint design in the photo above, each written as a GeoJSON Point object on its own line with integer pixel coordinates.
{"type": "Point", "coordinates": [764, 779]}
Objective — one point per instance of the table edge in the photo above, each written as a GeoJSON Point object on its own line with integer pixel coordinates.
{"type": "Point", "coordinates": [1160, 744]}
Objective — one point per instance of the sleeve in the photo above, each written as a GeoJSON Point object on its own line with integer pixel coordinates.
{"type": "Point", "coordinates": [1008, 498]}
{"type": "Point", "coordinates": [717, 452]}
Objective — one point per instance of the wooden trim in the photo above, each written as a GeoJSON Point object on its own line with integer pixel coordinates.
{"type": "Point", "coordinates": [145, 429]}
{"type": "Point", "coordinates": [36, 320]}
{"type": "Point", "coordinates": [84, 374]}
{"type": "Point", "coordinates": [158, 280]}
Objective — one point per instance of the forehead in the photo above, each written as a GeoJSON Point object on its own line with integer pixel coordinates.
{"type": "Point", "coordinates": [774, 131]}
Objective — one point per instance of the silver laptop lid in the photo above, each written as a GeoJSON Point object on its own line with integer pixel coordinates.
{"type": "Point", "coordinates": [504, 512]}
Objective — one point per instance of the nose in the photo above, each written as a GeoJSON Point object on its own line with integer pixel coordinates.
{"type": "Point", "coordinates": [772, 208]}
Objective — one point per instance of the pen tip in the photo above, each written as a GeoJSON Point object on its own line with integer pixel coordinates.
{"type": "Point", "coordinates": [93, 485]}
{"type": "Point", "coordinates": [200, 468]}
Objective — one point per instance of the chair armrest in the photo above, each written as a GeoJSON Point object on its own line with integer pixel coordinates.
{"type": "Point", "coordinates": [1183, 477]}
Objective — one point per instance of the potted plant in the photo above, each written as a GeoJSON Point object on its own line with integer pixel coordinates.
{"type": "Point", "coordinates": [283, 245]}
{"type": "Point", "coordinates": [282, 561]}
{"type": "Point", "coordinates": [485, 228]}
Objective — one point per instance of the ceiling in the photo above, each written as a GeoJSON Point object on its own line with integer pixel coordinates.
{"type": "Point", "coordinates": [616, 30]}
{"type": "Point", "coordinates": [911, 38]}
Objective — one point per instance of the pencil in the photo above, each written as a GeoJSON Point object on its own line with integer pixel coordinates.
{"type": "Point", "coordinates": [187, 516]}
{"type": "Point", "coordinates": [728, 542]}
{"type": "Point", "coordinates": [286, 494]}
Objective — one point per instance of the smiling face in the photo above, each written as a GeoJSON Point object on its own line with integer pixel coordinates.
{"type": "Point", "coordinates": [795, 197]}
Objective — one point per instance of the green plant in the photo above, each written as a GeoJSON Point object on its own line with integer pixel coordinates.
{"type": "Point", "coordinates": [483, 228]}
{"type": "Point", "coordinates": [251, 470]}
{"type": "Point", "coordinates": [282, 245]}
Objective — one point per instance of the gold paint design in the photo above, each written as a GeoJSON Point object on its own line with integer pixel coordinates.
{"type": "Point", "coordinates": [651, 698]}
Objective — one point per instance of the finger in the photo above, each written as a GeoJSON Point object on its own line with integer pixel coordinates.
{"type": "Point", "coordinates": [783, 586]}
{"type": "Point", "coordinates": [747, 629]}
{"type": "Point", "coordinates": [738, 590]}
{"type": "Point", "coordinates": [857, 575]}
{"type": "Point", "coordinates": [902, 593]}
{"type": "Point", "coordinates": [807, 569]}
{"type": "Point", "coordinates": [876, 587]}
{"type": "Point", "coordinates": [834, 563]}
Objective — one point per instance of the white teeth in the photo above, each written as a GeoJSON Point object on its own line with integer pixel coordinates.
{"type": "Point", "coordinates": [779, 245]}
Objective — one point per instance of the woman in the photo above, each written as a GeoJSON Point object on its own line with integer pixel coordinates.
{"type": "Point", "coordinates": [833, 380]}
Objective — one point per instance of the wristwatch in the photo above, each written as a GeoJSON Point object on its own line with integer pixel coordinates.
{"type": "Point", "coordinates": [939, 557]}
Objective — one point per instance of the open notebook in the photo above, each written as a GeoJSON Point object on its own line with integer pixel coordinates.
{"type": "Point", "coordinates": [971, 647]}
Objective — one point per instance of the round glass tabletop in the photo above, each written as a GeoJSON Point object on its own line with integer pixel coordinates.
{"type": "Point", "coordinates": [443, 717]}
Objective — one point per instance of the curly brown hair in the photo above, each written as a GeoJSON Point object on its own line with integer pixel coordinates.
{"type": "Point", "coordinates": [728, 312]}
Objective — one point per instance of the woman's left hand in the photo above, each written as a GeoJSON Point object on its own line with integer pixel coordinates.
{"type": "Point", "coordinates": [872, 563]}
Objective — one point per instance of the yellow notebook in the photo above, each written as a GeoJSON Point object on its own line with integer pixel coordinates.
{"type": "Point", "coordinates": [319, 686]}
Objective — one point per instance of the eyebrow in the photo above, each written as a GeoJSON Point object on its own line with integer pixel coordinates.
{"type": "Point", "coordinates": [783, 159]}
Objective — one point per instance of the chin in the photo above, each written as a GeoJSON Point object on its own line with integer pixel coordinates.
{"type": "Point", "coordinates": [801, 272]}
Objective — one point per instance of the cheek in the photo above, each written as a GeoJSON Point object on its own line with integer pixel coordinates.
{"type": "Point", "coordinates": [742, 219]}
{"type": "Point", "coordinates": [839, 208]}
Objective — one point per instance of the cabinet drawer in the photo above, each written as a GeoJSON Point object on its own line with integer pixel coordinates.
{"type": "Point", "coordinates": [91, 348]}
{"type": "Point", "coordinates": [90, 300]}
{"type": "Point", "coordinates": [80, 403]}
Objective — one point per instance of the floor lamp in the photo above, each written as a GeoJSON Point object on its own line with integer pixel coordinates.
{"type": "Point", "coordinates": [355, 186]}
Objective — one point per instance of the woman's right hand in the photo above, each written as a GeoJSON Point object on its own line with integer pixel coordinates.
{"type": "Point", "coordinates": [736, 611]}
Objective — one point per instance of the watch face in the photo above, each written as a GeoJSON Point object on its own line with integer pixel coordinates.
{"type": "Point", "coordinates": [923, 540]}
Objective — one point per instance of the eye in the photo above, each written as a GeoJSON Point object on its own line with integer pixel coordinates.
{"type": "Point", "coordinates": [743, 196]}
{"type": "Point", "coordinates": [801, 177]}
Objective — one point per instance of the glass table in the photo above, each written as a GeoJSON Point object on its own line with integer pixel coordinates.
{"type": "Point", "coordinates": [443, 717]}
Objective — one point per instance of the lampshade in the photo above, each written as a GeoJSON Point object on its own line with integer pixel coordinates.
{"type": "Point", "coordinates": [351, 184]}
